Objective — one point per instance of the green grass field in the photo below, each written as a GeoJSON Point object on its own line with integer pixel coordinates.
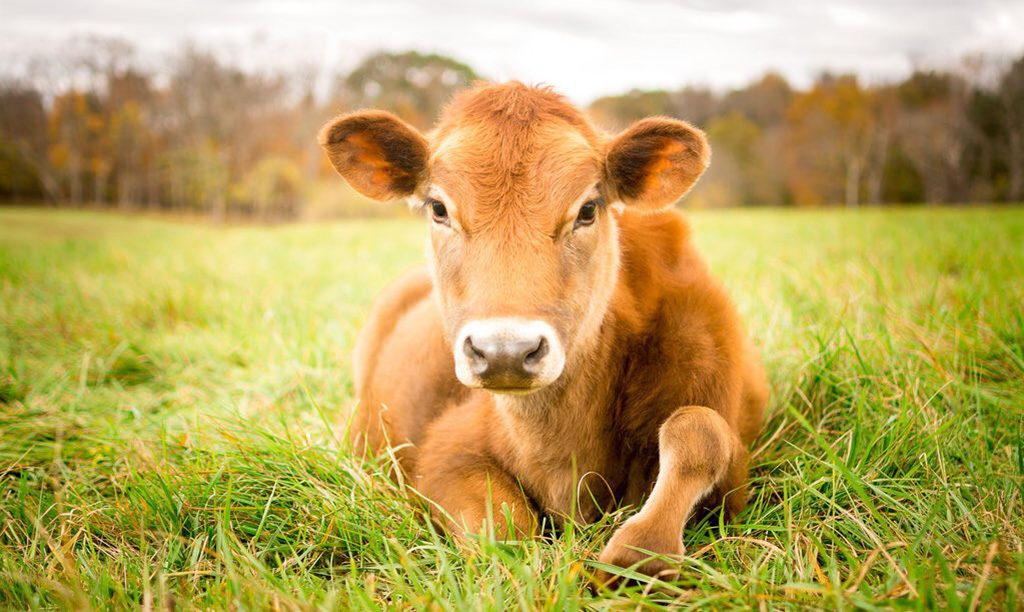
{"type": "Point", "coordinates": [173, 399]}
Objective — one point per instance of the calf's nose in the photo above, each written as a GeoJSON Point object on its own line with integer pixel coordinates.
{"type": "Point", "coordinates": [504, 356]}
{"type": "Point", "coordinates": [508, 355]}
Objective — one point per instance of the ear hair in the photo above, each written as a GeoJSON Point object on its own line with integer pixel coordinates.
{"type": "Point", "coordinates": [380, 155]}
{"type": "Point", "coordinates": [656, 161]}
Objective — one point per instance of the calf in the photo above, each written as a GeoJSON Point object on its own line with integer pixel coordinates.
{"type": "Point", "coordinates": [566, 350]}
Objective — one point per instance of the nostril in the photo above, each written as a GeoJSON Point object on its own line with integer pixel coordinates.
{"type": "Point", "coordinates": [470, 350]}
{"type": "Point", "coordinates": [477, 358]}
{"type": "Point", "coordinates": [534, 357]}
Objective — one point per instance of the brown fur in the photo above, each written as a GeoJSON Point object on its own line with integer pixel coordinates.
{"type": "Point", "coordinates": [661, 393]}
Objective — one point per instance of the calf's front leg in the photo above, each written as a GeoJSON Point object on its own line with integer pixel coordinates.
{"type": "Point", "coordinates": [468, 491]}
{"type": "Point", "coordinates": [697, 451]}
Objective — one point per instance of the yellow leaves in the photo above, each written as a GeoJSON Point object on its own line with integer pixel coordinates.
{"type": "Point", "coordinates": [94, 123]}
{"type": "Point", "coordinates": [59, 155]}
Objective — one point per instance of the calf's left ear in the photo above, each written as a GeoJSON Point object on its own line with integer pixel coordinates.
{"type": "Point", "coordinates": [656, 161]}
{"type": "Point", "coordinates": [380, 155]}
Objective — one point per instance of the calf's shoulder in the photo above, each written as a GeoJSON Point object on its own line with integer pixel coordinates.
{"type": "Point", "coordinates": [402, 366]}
{"type": "Point", "coordinates": [683, 343]}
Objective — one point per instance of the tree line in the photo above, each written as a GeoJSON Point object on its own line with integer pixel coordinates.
{"type": "Point", "coordinates": [89, 125]}
{"type": "Point", "coordinates": [937, 136]}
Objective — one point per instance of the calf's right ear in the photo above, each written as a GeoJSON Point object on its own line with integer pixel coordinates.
{"type": "Point", "coordinates": [380, 155]}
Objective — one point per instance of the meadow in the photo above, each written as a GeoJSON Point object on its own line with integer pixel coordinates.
{"type": "Point", "coordinates": [174, 399]}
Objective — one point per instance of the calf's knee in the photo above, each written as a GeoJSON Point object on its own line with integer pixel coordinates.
{"type": "Point", "coordinates": [697, 441]}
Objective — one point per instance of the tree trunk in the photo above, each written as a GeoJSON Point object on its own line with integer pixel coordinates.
{"type": "Point", "coordinates": [853, 168]}
{"type": "Point", "coordinates": [219, 208]}
{"type": "Point", "coordinates": [1015, 161]}
{"type": "Point", "coordinates": [75, 178]}
{"type": "Point", "coordinates": [97, 188]}
{"type": "Point", "coordinates": [125, 190]}
{"type": "Point", "coordinates": [50, 183]}
{"type": "Point", "coordinates": [875, 173]}
{"type": "Point", "coordinates": [153, 188]}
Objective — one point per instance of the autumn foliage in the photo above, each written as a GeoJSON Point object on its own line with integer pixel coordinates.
{"type": "Point", "coordinates": [197, 135]}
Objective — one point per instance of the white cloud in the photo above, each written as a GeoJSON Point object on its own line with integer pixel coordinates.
{"type": "Point", "coordinates": [584, 48]}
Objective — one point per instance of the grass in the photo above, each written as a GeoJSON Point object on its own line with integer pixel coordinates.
{"type": "Point", "coordinates": [172, 398]}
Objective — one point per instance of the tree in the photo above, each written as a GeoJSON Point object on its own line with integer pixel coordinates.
{"type": "Point", "coordinates": [413, 85]}
{"type": "Point", "coordinates": [733, 138]}
{"type": "Point", "coordinates": [934, 132]}
{"type": "Point", "coordinates": [765, 101]}
{"type": "Point", "coordinates": [203, 135]}
{"type": "Point", "coordinates": [616, 112]}
{"type": "Point", "coordinates": [1011, 98]}
{"type": "Point", "coordinates": [217, 113]}
{"type": "Point", "coordinates": [70, 130]}
{"type": "Point", "coordinates": [24, 168]}
{"type": "Point", "coordinates": [835, 118]}
{"type": "Point", "coordinates": [274, 188]}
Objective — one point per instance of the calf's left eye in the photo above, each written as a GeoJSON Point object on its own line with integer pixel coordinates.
{"type": "Point", "coordinates": [587, 214]}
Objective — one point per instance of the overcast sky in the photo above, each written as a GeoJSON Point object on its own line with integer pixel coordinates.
{"type": "Point", "coordinates": [585, 48]}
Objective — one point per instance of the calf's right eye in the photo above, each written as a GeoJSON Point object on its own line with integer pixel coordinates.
{"type": "Point", "coordinates": [438, 212]}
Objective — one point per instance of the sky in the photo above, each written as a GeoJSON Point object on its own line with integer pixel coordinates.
{"type": "Point", "coordinates": [584, 48]}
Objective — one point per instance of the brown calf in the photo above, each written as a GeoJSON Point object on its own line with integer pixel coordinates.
{"type": "Point", "coordinates": [566, 350]}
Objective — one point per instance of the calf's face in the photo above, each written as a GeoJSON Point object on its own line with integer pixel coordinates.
{"type": "Point", "coordinates": [523, 243]}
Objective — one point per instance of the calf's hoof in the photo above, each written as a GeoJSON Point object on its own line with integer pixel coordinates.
{"type": "Point", "coordinates": [631, 547]}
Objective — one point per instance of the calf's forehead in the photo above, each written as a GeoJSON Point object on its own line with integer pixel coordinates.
{"type": "Point", "coordinates": [541, 170]}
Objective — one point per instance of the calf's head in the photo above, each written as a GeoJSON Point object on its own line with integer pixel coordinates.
{"type": "Point", "coordinates": [517, 186]}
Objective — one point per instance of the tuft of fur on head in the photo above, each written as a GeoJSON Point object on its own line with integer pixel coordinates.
{"type": "Point", "coordinates": [511, 105]}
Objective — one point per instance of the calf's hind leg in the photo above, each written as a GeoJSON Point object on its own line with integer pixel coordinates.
{"type": "Point", "coordinates": [696, 452]}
